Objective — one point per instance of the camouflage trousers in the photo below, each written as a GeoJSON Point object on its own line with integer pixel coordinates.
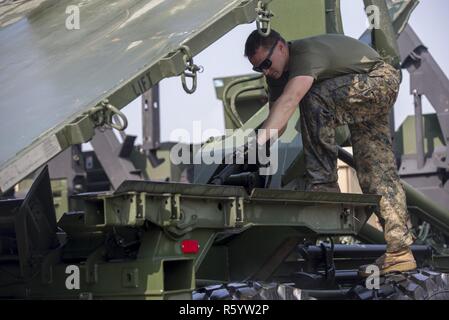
{"type": "Point", "coordinates": [363, 102]}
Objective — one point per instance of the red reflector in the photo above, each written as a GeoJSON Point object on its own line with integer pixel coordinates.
{"type": "Point", "coordinates": [190, 246]}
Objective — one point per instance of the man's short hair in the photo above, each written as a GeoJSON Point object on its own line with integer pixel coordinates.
{"type": "Point", "coordinates": [256, 40]}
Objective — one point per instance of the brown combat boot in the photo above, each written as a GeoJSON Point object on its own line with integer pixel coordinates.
{"type": "Point", "coordinates": [399, 261]}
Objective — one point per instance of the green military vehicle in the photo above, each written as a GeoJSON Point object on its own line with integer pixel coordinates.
{"type": "Point", "coordinates": [99, 226]}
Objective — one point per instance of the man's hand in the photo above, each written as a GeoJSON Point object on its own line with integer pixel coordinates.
{"type": "Point", "coordinates": [252, 153]}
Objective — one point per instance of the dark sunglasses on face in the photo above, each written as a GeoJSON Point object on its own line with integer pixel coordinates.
{"type": "Point", "coordinates": [266, 64]}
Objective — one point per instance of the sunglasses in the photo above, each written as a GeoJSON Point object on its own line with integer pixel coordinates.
{"type": "Point", "coordinates": [266, 64]}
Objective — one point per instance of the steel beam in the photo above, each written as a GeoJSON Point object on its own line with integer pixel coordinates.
{"type": "Point", "coordinates": [107, 148]}
{"type": "Point", "coordinates": [426, 78]}
{"type": "Point", "coordinates": [182, 208]}
{"type": "Point", "coordinates": [151, 119]}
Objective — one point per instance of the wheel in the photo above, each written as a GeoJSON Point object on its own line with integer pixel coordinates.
{"type": "Point", "coordinates": [249, 291]}
{"type": "Point", "coordinates": [422, 284]}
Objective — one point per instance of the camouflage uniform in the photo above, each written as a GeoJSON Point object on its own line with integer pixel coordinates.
{"type": "Point", "coordinates": [363, 102]}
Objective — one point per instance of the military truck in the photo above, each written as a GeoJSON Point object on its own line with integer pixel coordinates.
{"type": "Point", "coordinates": [227, 234]}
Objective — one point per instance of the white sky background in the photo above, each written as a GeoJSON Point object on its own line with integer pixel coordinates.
{"type": "Point", "coordinates": [225, 58]}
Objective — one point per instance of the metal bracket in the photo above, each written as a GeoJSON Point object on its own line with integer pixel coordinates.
{"type": "Point", "coordinates": [175, 204]}
{"type": "Point", "coordinates": [263, 19]}
{"type": "Point", "coordinates": [328, 260]}
{"type": "Point", "coordinates": [107, 116]}
{"type": "Point", "coordinates": [179, 224]}
{"type": "Point", "coordinates": [92, 265]}
{"type": "Point", "coordinates": [440, 158]}
{"type": "Point", "coordinates": [234, 217]}
{"type": "Point", "coordinates": [172, 205]}
{"type": "Point", "coordinates": [190, 71]}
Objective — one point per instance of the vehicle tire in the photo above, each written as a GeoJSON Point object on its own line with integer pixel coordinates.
{"type": "Point", "coordinates": [249, 291]}
{"type": "Point", "coordinates": [421, 284]}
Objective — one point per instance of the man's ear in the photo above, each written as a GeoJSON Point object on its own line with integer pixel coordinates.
{"type": "Point", "coordinates": [283, 46]}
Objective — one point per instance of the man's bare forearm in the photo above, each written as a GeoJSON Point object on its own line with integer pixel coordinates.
{"type": "Point", "coordinates": [277, 121]}
{"type": "Point", "coordinates": [284, 107]}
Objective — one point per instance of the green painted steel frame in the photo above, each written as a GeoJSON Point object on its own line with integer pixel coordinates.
{"type": "Point", "coordinates": [165, 214]}
{"type": "Point", "coordinates": [204, 211]}
{"type": "Point", "coordinates": [182, 208]}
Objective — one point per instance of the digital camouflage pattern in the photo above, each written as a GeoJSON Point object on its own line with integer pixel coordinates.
{"type": "Point", "coordinates": [363, 102]}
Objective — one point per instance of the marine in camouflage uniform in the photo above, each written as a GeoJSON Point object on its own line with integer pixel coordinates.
{"type": "Point", "coordinates": [363, 102]}
{"type": "Point", "coordinates": [338, 80]}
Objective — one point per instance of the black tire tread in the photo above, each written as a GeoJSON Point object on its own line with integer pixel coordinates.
{"type": "Point", "coordinates": [248, 291]}
{"type": "Point", "coordinates": [421, 284]}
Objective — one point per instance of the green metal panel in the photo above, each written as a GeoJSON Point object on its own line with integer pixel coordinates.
{"type": "Point", "coordinates": [384, 38]}
{"type": "Point", "coordinates": [393, 16]}
{"type": "Point", "coordinates": [405, 137]}
{"type": "Point", "coordinates": [216, 265]}
{"type": "Point", "coordinates": [400, 12]}
{"type": "Point", "coordinates": [249, 252]}
{"type": "Point", "coordinates": [426, 209]}
{"type": "Point", "coordinates": [245, 93]}
{"type": "Point", "coordinates": [50, 76]}
{"type": "Point", "coordinates": [161, 273]}
{"type": "Point", "coordinates": [298, 19]}
{"type": "Point", "coordinates": [59, 188]}
{"type": "Point", "coordinates": [441, 263]}
{"type": "Point", "coordinates": [334, 23]}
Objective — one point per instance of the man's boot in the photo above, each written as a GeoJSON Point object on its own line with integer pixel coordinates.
{"type": "Point", "coordinates": [324, 187]}
{"type": "Point", "coordinates": [399, 261]}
